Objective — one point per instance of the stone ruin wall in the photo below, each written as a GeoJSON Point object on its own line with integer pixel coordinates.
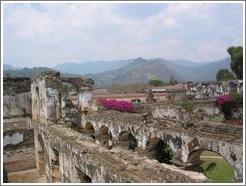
{"type": "Point", "coordinates": [16, 97]}
{"type": "Point", "coordinates": [104, 167]}
{"type": "Point", "coordinates": [46, 98]}
{"type": "Point", "coordinates": [100, 164]}
{"type": "Point", "coordinates": [76, 152]}
{"type": "Point", "coordinates": [18, 137]}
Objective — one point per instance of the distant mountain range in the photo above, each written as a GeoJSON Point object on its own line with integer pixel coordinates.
{"type": "Point", "coordinates": [91, 67]}
{"type": "Point", "coordinates": [139, 70]}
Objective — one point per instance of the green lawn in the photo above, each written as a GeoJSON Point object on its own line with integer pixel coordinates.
{"type": "Point", "coordinates": [222, 172]}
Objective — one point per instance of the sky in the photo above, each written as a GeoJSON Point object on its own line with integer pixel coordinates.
{"type": "Point", "coordinates": [43, 34]}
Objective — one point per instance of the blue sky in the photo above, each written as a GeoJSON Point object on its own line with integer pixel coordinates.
{"type": "Point", "coordinates": [48, 34]}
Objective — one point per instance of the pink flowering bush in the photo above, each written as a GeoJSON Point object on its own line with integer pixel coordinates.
{"type": "Point", "coordinates": [225, 104]}
{"type": "Point", "coordinates": [122, 106]}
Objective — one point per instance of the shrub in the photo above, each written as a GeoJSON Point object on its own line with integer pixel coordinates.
{"type": "Point", "coordinates": [166, 154]}
{"type": "Point", "coordinates": [122, 106]}
{"type": "Point", "coordinates": [225, 104]}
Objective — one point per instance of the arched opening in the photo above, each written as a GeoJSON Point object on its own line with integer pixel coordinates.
{"type": "Point", "coordinates": [82, 177]}
{"type": "Point", "coordinates": [55, 166]}
{"type": "Point", "coordinates": [211, 164]}
{"type": "Point", "coordinates": [89, 127]}
{"type": "Point", "coordinates": [105, 137]}
{"type": "Point", "coordinates": [40, 156]}
{"type": "Point", "coordinates": [157, 149]}
{"type": "Point", "coordinates": [127, 140]}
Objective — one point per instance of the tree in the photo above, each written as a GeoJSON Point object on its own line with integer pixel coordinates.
{"type": "Point", "coordinates": [224, 74]}
{"type": "Point", "coordinates": [236, 54]}
{"type": "Point", "coordinates": [156, 82]}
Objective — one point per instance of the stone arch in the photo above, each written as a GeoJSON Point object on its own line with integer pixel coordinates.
{"type": "Point", "coordinates": [105, 137]}
{"type": "Point", "coordinates": [201, 155]}
{"type": "Point", "coordinates": [82, 177]}
{"type": "Point", "coordinates": [157, 149]}
{"type": "Point", "coordinates": [89, 127]}
{"type": "Point", "coordinates": [55, 165]}
{"type": "Point", "coordinates": [127, 140]}
{"type": "Point", "coordinates": [40, 160]}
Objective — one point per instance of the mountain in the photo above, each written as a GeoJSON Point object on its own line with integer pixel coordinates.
{"type": "Point", "coordinates": [8, 67]}
{"type": "Point", "coordinates": [29, 72]}
{"type": "Point", "coordinates": [183, 62]}
{"type": "Point", "coordinates": [199, 72]}
{"type": "Point", "coordinates": [91, 67]}
{"type": "Point", "coordinates": [138, 71]}
{"type": "Point", "coordinates": [141, 71]}
{"type": "Point", "coordinates": [24, 72]}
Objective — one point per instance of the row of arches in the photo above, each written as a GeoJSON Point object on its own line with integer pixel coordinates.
{"type": "Point", "coordinates": [156, 148]}
{"type": "Point", "coordinates": [201, 160]}
{"type": "Point", "coordinates": [213, 165]}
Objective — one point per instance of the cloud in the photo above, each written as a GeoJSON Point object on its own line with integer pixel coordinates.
{"type": "Point", "coordinates": [49, 34]}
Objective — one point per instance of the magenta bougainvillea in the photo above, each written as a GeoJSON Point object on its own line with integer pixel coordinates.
{"type": "Point", "coordinates": [122, 106]}
{"type": "Point", "coordinates": [223, 100]}
{"type": "Point", "coordinates": [225, 103]}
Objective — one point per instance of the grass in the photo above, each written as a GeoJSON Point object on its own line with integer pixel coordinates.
{"type": "Point", "coordinates": [222, 172]}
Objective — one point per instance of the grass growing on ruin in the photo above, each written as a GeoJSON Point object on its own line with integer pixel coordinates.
{"type": "Point", "coordinates": [222, 172]}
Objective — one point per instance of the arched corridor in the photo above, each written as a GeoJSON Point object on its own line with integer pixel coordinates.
{"type": "Point", "coordinates": [105, 137]}
{"type": "Point", "coordinates": [89, 127]}
{"type": "Point", "coordinates": [157, 149]}
{"type": "Point", "coordinates": [127, 140]}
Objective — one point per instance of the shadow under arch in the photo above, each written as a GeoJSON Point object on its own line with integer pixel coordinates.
{"type": "Point", "coordinates": [212, 164]}
{"type": "Point", "coordinates": [158, 149]}
{"type": "Point", "coordinates": [127, 140]}
{"type": "Point", "coordinates": [105, 137]}
{"type": "Point", "coordinates": [89, 127]}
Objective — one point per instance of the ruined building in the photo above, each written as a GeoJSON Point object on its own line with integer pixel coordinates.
{"type": "Point", "coordinates": [65, 143]}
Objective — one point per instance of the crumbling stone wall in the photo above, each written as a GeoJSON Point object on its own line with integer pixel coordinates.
{"type": "Point", "coordinates": [15, 86]}
{"type": "Point", "coordinates": [17, 106]}
{"type": "Point", "coordinates": [169, 112]}
{"type": "Point", "coordinates": [79, 155]}
{"type": "Point", "coordinates": [18, 144]}
{"type": "Point", "coordinates": [16, 97]}
{"type": "Point", "coordinates": [46, 96]}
